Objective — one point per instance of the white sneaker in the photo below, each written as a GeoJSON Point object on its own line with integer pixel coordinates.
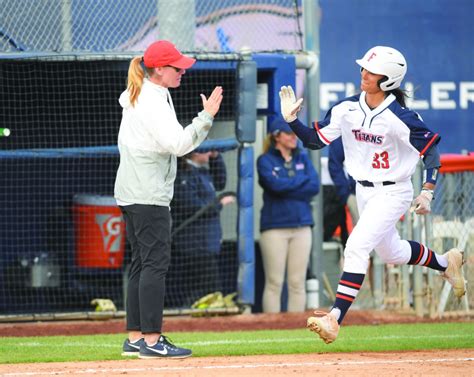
{"type": "Point", "coordinates": [326, 326]}
{"type": "Point", "coordinates": [454, 274]}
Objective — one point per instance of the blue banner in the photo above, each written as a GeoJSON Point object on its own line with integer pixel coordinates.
{"type": "Point", "coordinates": [436, 38]}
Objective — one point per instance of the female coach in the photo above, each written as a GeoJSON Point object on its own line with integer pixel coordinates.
{"type": "Point", "coordinates": [149, 141]}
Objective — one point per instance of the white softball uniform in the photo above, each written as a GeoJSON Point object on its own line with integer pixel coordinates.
{"type": "Point", "coordinates": [382, 147]}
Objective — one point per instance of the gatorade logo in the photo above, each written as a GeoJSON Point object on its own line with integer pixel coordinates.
{"type": "Point", "coordinates": [111, 229]}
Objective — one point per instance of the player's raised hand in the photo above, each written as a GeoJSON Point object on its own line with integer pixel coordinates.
{"type": "Point", "coordinates": [213, 103]}
{"type": "Point", "coordinates": [288, 103]}
{"type": "Point", "coordinates": [422, 203]}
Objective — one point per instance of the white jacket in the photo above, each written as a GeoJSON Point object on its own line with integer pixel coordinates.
{"type": "Point", "coordinates": [149, 141]}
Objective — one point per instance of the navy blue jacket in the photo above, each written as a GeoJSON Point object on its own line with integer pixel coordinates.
{"type": "Point", "coordinates": [195, 188]}
{"type": "Point", "coordinates": [345, 184]}
{"type": "Point", "coordinates": [287, 191]}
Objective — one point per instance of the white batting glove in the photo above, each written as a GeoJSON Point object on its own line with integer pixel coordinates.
{"type": "Point", "coordinates": [422, 203]}
{"type": "Point", "coordinates": [288, 103]}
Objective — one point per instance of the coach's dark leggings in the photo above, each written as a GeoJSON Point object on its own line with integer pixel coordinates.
{"type": "Point", "coordinates": [149, 233]}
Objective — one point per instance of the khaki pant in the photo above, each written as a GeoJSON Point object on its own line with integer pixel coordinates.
{"type": "Point", "coordinates": [285, 249]}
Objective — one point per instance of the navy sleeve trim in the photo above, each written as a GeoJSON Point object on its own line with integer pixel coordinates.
{"type": "Point", "coordinates": [421, 137]}
{"type": "Point", "coordinates": [432, 158]}
{"type": "Point", "coordinates": [308, 136]}
{"type": "Point", "coordinates": [321, 136]}
{"type": "Point", "coordinates": [430, 143]}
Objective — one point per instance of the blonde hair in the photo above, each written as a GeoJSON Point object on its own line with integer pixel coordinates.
{"type": "Point", "coordinates": [268, 142]}
{"type": "Point", "coordinates": [136, 74]}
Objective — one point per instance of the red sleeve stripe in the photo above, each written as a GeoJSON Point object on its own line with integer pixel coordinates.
{"type": "Point", "coordinates": [343, 297]}
{"type": "Point", "coordinates": [350, 284]}
{"type": "Point", "coordinates": [430, 254]}
{"type": "Point", "coordinates": [421, 254]}
{"type": "Point", "coordinates": [321, 136]}
{"type": "Point", "coordinates": [429, 144]}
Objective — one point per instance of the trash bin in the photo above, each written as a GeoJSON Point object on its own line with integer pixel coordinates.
{"type": "Point", "coordinates": [99, 231]}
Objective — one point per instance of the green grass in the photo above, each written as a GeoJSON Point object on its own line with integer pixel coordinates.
{"type": "Point", "coordinates": [351, 339]}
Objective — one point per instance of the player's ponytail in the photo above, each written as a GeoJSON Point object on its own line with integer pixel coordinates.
{"type": "Point", "coordinates": [400, 96]}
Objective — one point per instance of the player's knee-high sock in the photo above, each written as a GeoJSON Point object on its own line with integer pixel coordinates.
{"type": "Point", "coordinates": [349, 286]}
{"type": "Point", "coordinates": [423, 256]}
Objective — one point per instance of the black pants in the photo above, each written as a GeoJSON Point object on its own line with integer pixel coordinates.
{"type": "Point", "coordinates": [149, 232]}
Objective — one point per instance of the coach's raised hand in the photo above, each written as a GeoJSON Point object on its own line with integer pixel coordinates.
{"type": "Point", "coordinates": [213, 103]}
{"type": "Point", "coordinates": [288, 103]}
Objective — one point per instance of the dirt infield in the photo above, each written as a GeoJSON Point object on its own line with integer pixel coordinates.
{"type": "Point", "coordinates": [222, 323]}
{"type": "Point", "coordinates": [458, 363]}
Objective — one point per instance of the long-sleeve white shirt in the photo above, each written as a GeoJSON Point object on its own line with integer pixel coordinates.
{"type": "Point", "coordinates": [150, 140]}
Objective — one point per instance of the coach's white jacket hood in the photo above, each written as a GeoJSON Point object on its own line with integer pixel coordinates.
{"type": "Point", "coordinates": [150, 139]}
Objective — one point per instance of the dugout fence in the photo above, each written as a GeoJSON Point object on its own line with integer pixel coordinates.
{"type": "Point", "coordinates": [63, 65]}
{"type": "Point", "coordinates": [122, 26]}
{"type": "Point", "coordinates": [61, 234]}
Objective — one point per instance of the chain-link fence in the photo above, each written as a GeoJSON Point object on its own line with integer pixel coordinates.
{"type": "Point", "coordinates": [61, 235]}
{"type": "Point", "coordinates": [127, 25]}
{"type": "Point", "coordinates": [453, 226]}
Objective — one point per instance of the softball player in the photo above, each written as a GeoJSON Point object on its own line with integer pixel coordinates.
{"type": "Point", "coordinates": [383, 141]}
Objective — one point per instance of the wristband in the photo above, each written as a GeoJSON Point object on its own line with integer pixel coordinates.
{"type": "Point", "coordinates": [431, 175]}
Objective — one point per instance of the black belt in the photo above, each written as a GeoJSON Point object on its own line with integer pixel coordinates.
{"type": "Point", "coordinates": [371, 184]}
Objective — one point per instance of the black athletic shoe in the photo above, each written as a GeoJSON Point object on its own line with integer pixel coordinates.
{"type": "Point", "coordinates": [132, 349]}
{"type": "Point", "coordinates": [163, 348]}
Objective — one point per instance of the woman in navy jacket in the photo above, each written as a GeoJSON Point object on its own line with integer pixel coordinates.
{"type": "Point", "coordinates": [194, 268]}
{"type": "Point", "coordinates": [289, 182]}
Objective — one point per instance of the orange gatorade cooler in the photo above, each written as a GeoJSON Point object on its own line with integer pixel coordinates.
{"type": "Point", "coordinates": [99, 231]}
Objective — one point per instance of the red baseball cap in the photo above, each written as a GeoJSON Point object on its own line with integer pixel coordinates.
{"type": "Point", "coordinates": [162, 53]}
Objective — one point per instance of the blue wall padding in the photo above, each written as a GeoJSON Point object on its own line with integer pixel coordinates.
{"type": "Point", "coordinates": [246, 248]}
